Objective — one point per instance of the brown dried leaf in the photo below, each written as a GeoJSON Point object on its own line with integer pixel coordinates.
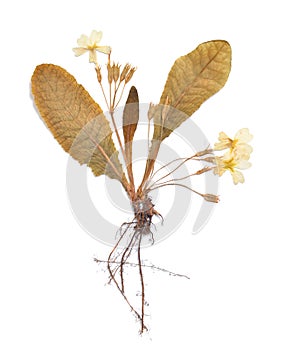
{"type": "Point", "coordinates": [130, 121]}
{"type": "Point", "coordinates": [192, 80]}
{"type": "Point", "coordinates": [76, 120]}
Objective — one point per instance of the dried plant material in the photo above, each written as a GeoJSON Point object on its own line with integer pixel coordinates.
{"type": "Point", "coordinates": [81, 128]}
{"type": "Point", "coordinates": [238, 144]}
{"type": "Point", "coordinates": [130, 122]}
{"type": "Point", "coordinates": [237, 154]}
{"type": "Point", "coordinates": [192, 80]}
{"type": "Point", "coordinates": [76, 121]}
{"type": "Point", "coordinates": [89, 44]}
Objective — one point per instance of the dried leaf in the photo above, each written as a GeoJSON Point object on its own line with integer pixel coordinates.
{"type": "Point", "coordinates": [192, 80]}
{"type": "Point", "coordinates": [130, 121]}
{"type": "Point", "coordinates": [76, 120]}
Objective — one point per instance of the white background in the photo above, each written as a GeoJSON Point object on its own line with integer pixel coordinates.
{"type": "Point", "coordinates": [53, 296]}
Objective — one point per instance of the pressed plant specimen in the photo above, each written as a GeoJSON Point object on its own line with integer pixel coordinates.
{"type": "Point", "coordinates": [84, 131]}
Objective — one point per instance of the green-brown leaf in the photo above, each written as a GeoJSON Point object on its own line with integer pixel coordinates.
{"type": "Point", "coordinates": [191, 81]}
{"type": "Point", "coordinates": [130, 121]}
{"type": "Point", "coordinates": [76, 120]}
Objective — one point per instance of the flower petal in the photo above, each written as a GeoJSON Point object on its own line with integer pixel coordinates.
{"type": "Point", "coordinates": [83, 41]}
{"type": "Point", "coordinates": [243, 150]}
{"type": "Point", "coordinates": [243, 164]}
{"type": "Point", "coordinates": [225, 142]}
{"type": "Point", "coordinates": [95, 37]}
{"type": "Point", "coordinates": [223, 136]}
{"type": "Point", "coordinates": [243, 135]}
{"type": "Point", "coordinates": [79, 51]}
{"type": "Point", "coordinates": [228, 156]}
{"type": "Point", "coordinates": [237, 177]}
{"type": "Point", "coordinates": [219, 170]}
{"type": "Point", "coordinates": [104, 49]}
{"type": "Point", "coordinates": [92, 56]}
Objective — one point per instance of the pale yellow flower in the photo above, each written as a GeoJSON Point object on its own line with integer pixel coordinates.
{"type": "Point", "coordinates": [238, 145]}
{"type": "Point", "coordinates": [231, 161]}
{"type": "Point", "coordinates": [86, 44]}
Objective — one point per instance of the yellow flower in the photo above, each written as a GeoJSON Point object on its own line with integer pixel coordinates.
{"type": "Point", "coordinates": [90, 44]}
{"type": "Point", "coordinates": [231, 161]}
{"type": "Point", "coordinates": [237, 145]}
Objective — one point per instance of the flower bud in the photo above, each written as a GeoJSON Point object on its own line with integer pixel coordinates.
{"type": "Point", "coordinates": [210, 160]}
{"type": "Point", "coordinates": [150, 112]}
{"type": "Point", "coordinates": [116, 72]}
{"type": "Point", "coordinates": [130, 74]}
{"type": "Point", "coordinates": [203, 170]}
{"type": "Point", "coordinates": [125, 72]}
{"type": "Point", "coordinates": [110, 73]}
{"type": "Point", "coordinates": [203, 153]}
{"type": "Point", "coordinates": [98, 72]}
{"type": "Point", "coordinates": [210, 197]}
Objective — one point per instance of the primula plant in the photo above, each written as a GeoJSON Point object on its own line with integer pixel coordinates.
{"type": "Point", "coordinates": [79, 125]}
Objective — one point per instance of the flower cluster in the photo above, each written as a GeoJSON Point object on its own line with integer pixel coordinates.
{"type": "Point", "coordinates": [237, 155]}
{"type": "Point", "coordinates": [117, 77]}
{"type": "Point", "coordinates": [115, 73]}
